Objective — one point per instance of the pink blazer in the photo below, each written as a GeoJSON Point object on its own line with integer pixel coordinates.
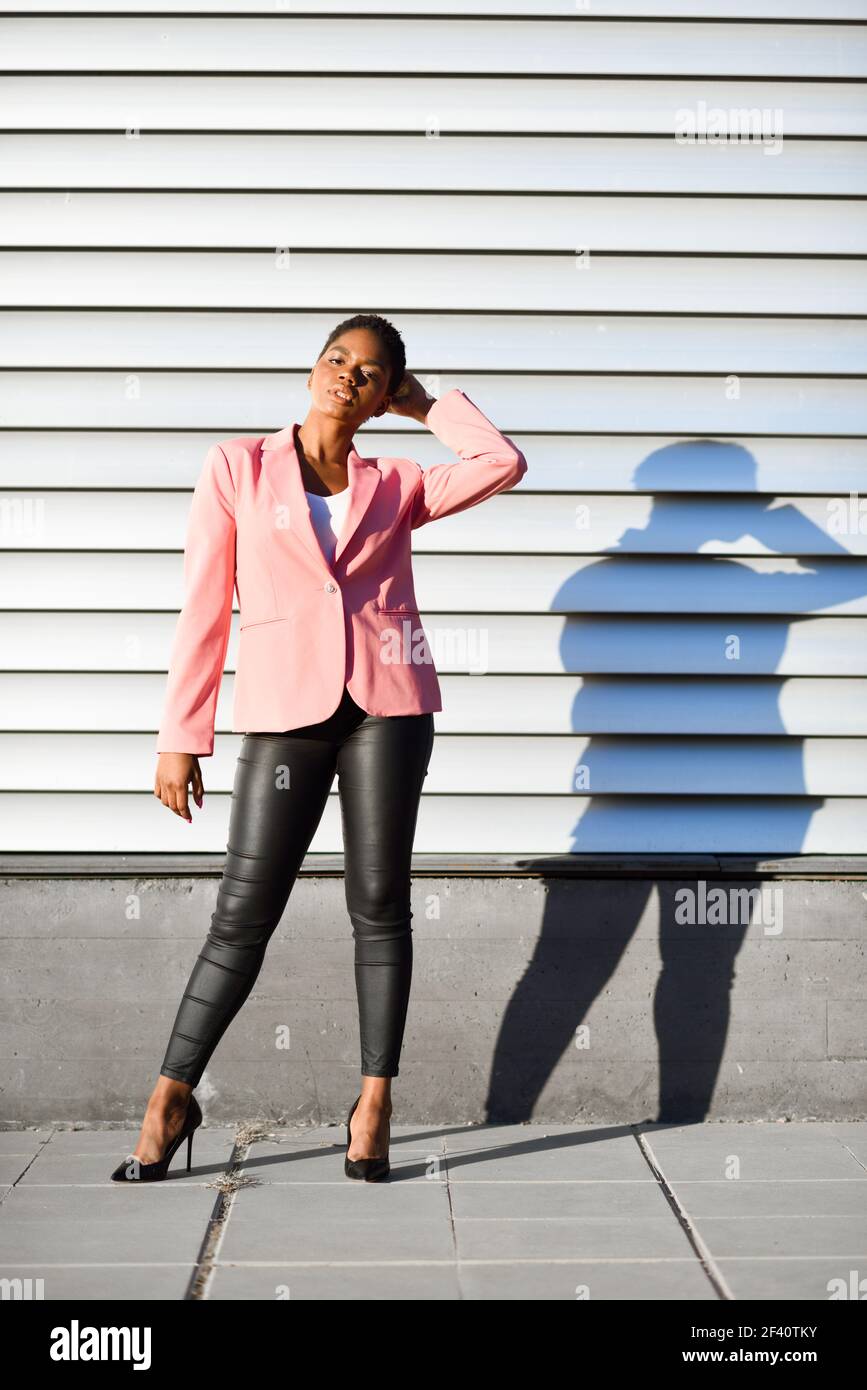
{"type": "Point", "coordinates": [308, 627]}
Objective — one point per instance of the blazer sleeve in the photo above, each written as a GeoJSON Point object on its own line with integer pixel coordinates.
{"type": "Point", "coordinates": [202, 633]}
{"type": "Point", "coordinates": [490, 462]}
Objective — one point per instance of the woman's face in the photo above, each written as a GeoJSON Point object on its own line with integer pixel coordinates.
{"type": "Point", "coordinates": [349, 380]}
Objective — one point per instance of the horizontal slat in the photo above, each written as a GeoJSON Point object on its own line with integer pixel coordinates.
{"type": "Point", "coordinates": [550, 105]}
{"type": "Point", "coordinates": [236, 403]}
{"type": "Point", "coordinates": [536, 644]}
{"type": "Point", "coordinates": [97, 702]}
{"type": "Point", "coordinates": [136, 459]}
{"type": "Point", "coordinates": [370, 44]}
{"type": "Point", "coordinates": [470, 342]}
{"type": "Point", "coordinates": [540, 284]}
{"type": "Point", "coordinates": [460, 222]}
{"type": "Point", "coordinates": [484, 583]}
{"type": "Point", "coordinates": [543, 825]}
{"type": "Point", "coordinates": [568, 524]}
{"type": "Point", "coordinates": [676, 9]}
{"type": "Point", "coordinates": [606, 766]}
{"type": "Point", "coordinates": [581, 524]}
{"type": "Point", "coordinates": [492, 765]}
{"type": "Point", "coordinates": [454, 163]}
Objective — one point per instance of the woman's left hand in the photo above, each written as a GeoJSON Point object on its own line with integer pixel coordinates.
{"type": "Point", "coordinates": [411, 399]}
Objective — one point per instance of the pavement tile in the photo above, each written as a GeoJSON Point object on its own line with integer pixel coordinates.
{"type": "Point", "coordinates": [743, 1198]}
{"type": "Point", "coordinates": [106, 1224]}
{"type": "Point", "coordinates": [550, 1200]}
{"type": "Point", "coordinates": [293, 1163]}
{"type": "Point", "coordinates": [801, 1236]}
{"type": "Point", "coordinates": [124, 1283]}
{"type": "Point", "coordinates": [22, 1141]}
{"type": "Point", "coordinates": [810, 1279]}
{"type": "Point", "coordinates": [475, 1137]}
{"type": "Point", "coordinates": [605, 1237]}
{"type": "Point", "coordinates": [310, 1136]}
{"type": "Point", "coordinates": [117, 1143]}
{"type": "Point", "coordinates": [348, 1221]}
{"type": "Point", "coordinates": [362, 1282]}
{"type": "Point", "coordinates": [76, 1157]}
{"type": "Point", "coordinates": [90, 1170]}
{"type": "Point", "coordinates": [571, 1155]}
{"type": "Point", "coordinates": [578, 1280]}
{"type": "Point", "coordinates": [777, 1152]}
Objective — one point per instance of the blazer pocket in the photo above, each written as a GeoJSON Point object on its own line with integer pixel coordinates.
{"type": "Point", "coordinates": [261, 623]}
{"type": "Point", "coordinates": [396, 612]}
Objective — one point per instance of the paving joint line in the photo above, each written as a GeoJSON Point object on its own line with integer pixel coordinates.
{"type": "Point", "coordinates": [12, 1186]}
{"type": "Point", "coordinates": [228, 1184]}
{"type": "Point", "coordinates": [691, 1232]}
{"type": "Point", "coordinates": [454, 1235]}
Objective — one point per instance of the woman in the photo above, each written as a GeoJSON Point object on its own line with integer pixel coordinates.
{"type": "Point", "coordinates": [334, 676]}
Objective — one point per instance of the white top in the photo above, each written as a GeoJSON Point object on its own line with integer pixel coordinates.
{"type": "Point", "coordinates": [327, 515]}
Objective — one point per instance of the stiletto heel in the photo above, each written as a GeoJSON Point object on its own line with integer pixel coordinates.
{"type": "Point", "coordinates": [132, 1170]}
{"type": "Point", "coordinates": [368, 1169]}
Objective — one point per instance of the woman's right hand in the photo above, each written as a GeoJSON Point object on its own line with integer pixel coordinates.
{"type": "Point", "coordinates": [175, 772]}
{"type": "Point", "coordinates": [411, 399]}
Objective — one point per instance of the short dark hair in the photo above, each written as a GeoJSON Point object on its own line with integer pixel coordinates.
{"type": "Point", "coordinates": [387, 335]}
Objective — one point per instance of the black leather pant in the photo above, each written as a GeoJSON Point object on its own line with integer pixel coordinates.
{"type": "Point", "coordinates": [281, 786]}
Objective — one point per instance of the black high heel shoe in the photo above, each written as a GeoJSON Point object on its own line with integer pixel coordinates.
{"type": "Point", "coordinates": [133, 1170]}
{"type": "Point", "coordinates": [369, 1169]}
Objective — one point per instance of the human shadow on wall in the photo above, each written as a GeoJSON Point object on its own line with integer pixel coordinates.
{"type": "Point", "coordinates": [586, 927]}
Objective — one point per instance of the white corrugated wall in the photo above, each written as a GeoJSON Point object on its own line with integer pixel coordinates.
{"type": "Point", "coordinates": [657, 641]}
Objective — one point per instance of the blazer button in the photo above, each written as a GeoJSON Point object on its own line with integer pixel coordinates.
{"type": "Point", "coordinates": [331, 588]}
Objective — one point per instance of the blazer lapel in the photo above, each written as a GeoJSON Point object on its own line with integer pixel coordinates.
{"type": "Point", "coordinates": [282, 472]}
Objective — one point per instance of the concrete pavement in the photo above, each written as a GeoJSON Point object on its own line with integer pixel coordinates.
{"type": "Point", "coordinates": [704, 1212]}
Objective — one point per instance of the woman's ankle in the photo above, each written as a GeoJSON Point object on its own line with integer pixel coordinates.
{"type": "Point", "coordinates": [169, 1095]}
{"type": "Point", "coordinates": [378, 1106]}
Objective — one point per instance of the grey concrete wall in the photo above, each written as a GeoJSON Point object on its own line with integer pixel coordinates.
{"type": "Point", "coordinates": [560, 999]}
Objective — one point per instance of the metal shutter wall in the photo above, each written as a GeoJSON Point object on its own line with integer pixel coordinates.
{"type": "Point", "coordinates": [658, 641]}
